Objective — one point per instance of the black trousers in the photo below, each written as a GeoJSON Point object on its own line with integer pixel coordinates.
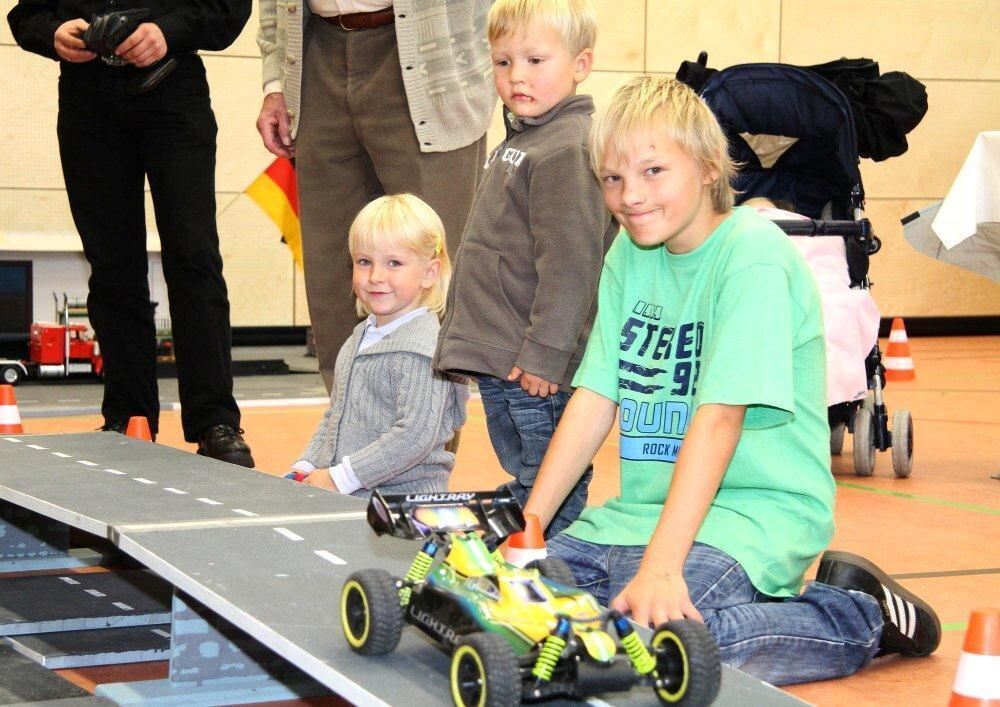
{"type": "Point", "coordinates": [111, 141]}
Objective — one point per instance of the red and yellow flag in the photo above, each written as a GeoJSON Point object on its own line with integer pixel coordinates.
{"type": "Point", "coordinates": [275, 192]}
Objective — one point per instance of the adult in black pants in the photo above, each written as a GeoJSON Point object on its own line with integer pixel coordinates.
{"type": "Point", "coordinates": [111, 138]}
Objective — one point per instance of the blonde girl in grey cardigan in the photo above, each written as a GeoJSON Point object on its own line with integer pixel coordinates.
{"type": "Point", "coordinates": [390, 414]}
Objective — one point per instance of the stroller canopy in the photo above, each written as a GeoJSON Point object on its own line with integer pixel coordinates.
{"type": "Point", "coordinates": [810, 124]}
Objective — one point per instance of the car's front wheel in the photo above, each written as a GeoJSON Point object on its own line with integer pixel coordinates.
{"type": "Point", "coordinates": [485, 672]}
{"type": "Point", "coordinates": [688, 669]}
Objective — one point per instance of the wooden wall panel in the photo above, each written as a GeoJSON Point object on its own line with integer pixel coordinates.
{"type": "Point", "coordinates": [925, 38]}
{"type": "Point", "coordinates": [258, 267]}
{"type": "Point", "coordinates": [620, 35]}
{"type": "Point", "coordinates": [731, 31]}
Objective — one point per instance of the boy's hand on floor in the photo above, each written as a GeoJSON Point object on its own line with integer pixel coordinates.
{"type": "Point", "coordinates": [322, 479]}
{"type": "Point", "coordinates": [653, 597]}
{"type": "Point", "coordinates": [532, 384]}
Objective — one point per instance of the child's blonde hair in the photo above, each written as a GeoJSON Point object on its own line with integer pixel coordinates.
{"type": "Point", "coordinates": [661, 107]}
{"type": "Point", "coordinates": [574, 20]}
{"type": "Point", "coordinates": [404, 220]}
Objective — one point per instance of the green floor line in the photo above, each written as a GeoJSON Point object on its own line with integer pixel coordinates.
{"type": "Point", "coordinates": [924, 499]}
{"type": "Point", "coordinates": [960, 626]}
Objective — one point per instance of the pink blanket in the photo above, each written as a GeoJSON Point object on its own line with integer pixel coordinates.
{"type": "Point", "coordinates": [850, 316]}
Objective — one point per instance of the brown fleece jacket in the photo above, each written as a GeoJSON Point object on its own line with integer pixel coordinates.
{"type": "Point", "coordinates": [526, 273]}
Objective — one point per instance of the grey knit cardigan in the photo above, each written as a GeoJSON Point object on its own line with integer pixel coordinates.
{"type": "Point", "coordinates": [443, 53]}
{"type": "Point", "coordinates": [391, 413]}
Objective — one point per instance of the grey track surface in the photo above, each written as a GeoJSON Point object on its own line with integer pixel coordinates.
{"type": "Point", "coordinates": [109, 646]}
{"type": "Point", "coordinates": [276, 575]}
{"type": "Point", "coordinates": [22, 680]}
{"type": "Point", "coordinates": [52, 603]}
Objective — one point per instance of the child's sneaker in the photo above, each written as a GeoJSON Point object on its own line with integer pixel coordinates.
{"type": "Point", "coordinates": [910, 625]}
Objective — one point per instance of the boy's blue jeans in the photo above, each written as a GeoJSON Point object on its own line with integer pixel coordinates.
{"type": "Point", "coordinates": [520, 427]}
{"type": "Point", "coordinates": [825, 632]}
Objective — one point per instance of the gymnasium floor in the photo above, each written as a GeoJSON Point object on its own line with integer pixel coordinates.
{"type": "Point", "coordinates": [938, 532]}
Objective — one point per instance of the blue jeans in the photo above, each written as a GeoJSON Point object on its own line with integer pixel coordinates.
{"type": "Point", "coordinates": [825, 632]}
{"type": "Point", "coordinates": [520, 427]}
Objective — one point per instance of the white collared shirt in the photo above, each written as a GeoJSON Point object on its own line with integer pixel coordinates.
{"type": "Point", "coordinates": [342, 474]}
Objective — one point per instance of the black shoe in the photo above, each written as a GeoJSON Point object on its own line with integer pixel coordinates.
{"type": "Point", "coordinates": [226, 444]}
{"type": "Point", "coordinates": [910, 625]}
{"type": "Point", "coordinates": [118, 426]}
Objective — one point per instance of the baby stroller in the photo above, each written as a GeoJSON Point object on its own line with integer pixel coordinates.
{"type": "Point", "coordinates": [793, 133]}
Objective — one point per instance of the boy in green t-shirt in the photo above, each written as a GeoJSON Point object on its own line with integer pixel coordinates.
{"type": "Point", "coordinates": [709, 333]}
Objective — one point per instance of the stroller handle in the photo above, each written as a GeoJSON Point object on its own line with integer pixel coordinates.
{"type": "Point", "coordinates": [818, 227]}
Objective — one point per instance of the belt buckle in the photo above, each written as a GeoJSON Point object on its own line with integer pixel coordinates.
{"type": "Point", "coordinates": [340, 21]}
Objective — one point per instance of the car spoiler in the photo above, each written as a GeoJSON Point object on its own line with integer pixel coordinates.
{"type": "Point", "coordinates": [419, 515]}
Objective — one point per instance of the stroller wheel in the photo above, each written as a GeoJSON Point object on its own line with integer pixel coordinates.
{"type": "Point", "coordinates": [902, 443]}
{"type": "Point", "coordinates": [864, 443]}
{"type": "Point", "coordinates": [837, 438]}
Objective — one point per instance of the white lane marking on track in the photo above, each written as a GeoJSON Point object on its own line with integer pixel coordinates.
{"type": "Point", "coordinates": [281, 574]}
{"type": "Point", "coordinates": [143, 481]}
{"type": "Point", "coordinates": [12, 439]}
{"type": "Point", "coordinates": [115, 471]}
{"type": "Point", "coordinates": [289, 534]}
{"type": "Point", "coordinates": [68, 400]}
{"type": "Point", "coordinates": [242, 512]}
{"type": "Point", "coordinates": [177, 491]}
{"type": "Point", "coordinates": [60, 454]}
{"type": "Point", "coordinates": [210, 501]}
{"type": "Point", "coordinates": [161, 632]}
{"type": "Point", "coordinates": [36, 446]}
{"type": "Point", "coordinates": [69, 580]}
{"type": "Point", "coordinates": [95, 593]}
{"type": "Point", "coordinates": [85, 462]}
{"type": "Point", "coordinates": [330, 557]}
{"type": "Point", "coordinates": [123, 606]}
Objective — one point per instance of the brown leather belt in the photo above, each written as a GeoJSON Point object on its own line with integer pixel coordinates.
{"type": "Point", "coordinates": [362, 20]}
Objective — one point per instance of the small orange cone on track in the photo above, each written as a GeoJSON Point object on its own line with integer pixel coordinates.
{"type": "Point", "coordinates": [527, 545]}
{"type": "Point", "coordinates": [977, 682]}
{"type": "Point", "coordinates": [897, 361]}
{"type": "Point", "coordinates": [138, 427]}
{"type": "Point", "coordinates": [10, 418]}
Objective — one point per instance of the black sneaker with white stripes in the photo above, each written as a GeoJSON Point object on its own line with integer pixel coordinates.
{"type": "Point", "coordinates": [910, 625]}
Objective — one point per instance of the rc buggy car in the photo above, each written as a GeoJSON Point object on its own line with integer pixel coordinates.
{"type": "Point", "coordinates": [513, 634]}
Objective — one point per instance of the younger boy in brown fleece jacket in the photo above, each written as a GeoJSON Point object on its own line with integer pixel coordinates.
{"type": "Point", "coordinates": [522, 300]}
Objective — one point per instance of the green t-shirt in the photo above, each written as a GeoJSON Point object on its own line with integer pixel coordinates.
{"type": "Point", "coordinates": [736, 321]}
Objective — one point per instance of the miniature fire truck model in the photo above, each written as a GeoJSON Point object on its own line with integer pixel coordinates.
{"type": "Point", "coordinates": [513, 634]}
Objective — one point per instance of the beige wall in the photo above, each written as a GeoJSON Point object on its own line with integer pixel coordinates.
{"type": "Point", "coordinates": [950, 46]}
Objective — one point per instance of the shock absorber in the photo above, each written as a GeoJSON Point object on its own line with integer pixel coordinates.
{"type": "Point", "coordinates": [418, 570]}
{"type": "Point", "coordinates": [642, 661]}
{"type": "Point", "coordinates": [551, 650]}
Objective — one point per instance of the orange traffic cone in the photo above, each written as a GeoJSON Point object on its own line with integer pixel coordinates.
{"type": "Point", "coordinates": [977, 682]}
{"type": "Point", "coordinates": [897, 361]}
{"type": "Point", "coordinates": [10, 418]}
{"type": "Point", "coordinates": [527, 545]}
{"type": "Point", "coordinates": [138, 427]}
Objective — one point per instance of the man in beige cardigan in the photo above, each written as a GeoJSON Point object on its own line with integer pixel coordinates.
{"type": "Point", "coordinates": [372, 97]}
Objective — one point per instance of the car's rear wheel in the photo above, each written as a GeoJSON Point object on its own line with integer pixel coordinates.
{"type": "Point", "coordinates": [370, 614]}
{"type": "Point", "coordinates": [485, 673]}
{"type": "Point", "coordinates": [688, 669]}
{"type": "Point", "coordinates": [555, 569]}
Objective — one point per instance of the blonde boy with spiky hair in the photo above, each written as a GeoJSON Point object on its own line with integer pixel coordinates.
{"type": "Point", "coordinates": [523, 297]}
{"type": "Point", "coordinates": [708, 351]}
